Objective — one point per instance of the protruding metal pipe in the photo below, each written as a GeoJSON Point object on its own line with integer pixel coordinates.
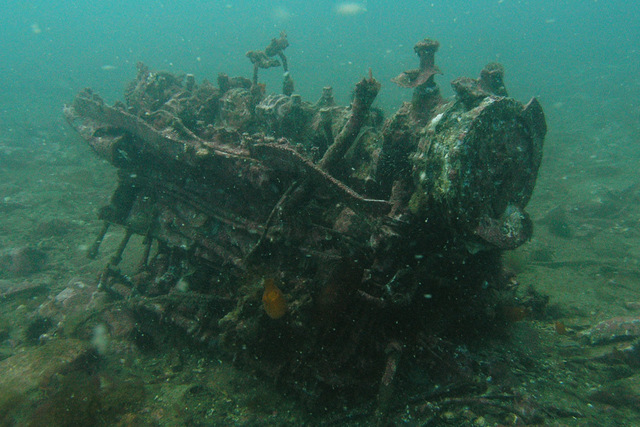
{"type": "Point", "coordinates": [92, 252]}
{"type": "Point", "coordinates": [117, 257]}
{"type": "Point", "coordinates": [144, 261]}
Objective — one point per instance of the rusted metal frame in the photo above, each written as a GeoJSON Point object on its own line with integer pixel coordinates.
{"type": "Point", "coordinates": [159, 141]}
{"type": "Point", "coordinates": [211, 211]}
{"type": "Point", "coordinates": [281, 156]}
{"type": "Point", "coordinates": [277, 208]}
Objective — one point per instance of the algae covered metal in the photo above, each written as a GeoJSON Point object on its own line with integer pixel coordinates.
{"type": "Point", "coordinates": [321, 245]}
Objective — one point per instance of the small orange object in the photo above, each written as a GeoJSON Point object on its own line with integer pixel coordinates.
{"type": "Point", "coordinates": [560, 327]}
{"type": "Point", "coordinates": [273, 300]}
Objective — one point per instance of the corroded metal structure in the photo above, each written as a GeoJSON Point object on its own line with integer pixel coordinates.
{"type": "Point", "coordinates": [375, 241]}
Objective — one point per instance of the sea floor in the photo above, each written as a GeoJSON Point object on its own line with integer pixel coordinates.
{"type": "Point", "coordinates": [559, 369]}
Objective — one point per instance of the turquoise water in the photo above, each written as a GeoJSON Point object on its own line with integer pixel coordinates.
{"type": "Point", "coordinates": [551, 49]}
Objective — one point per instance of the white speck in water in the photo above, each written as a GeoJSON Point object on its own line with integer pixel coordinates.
{"type": "Point", "coordinates": [100, 339]}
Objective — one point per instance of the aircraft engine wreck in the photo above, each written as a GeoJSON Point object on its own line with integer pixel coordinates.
{"type": "Point", "coordinates": [331, 250]}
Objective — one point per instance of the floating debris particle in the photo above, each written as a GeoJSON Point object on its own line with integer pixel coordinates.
{"type": "Point", "coordinates": [350, 9]}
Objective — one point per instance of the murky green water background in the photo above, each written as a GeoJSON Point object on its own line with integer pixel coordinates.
{"type": "Point", "coordinates": [579, 58]}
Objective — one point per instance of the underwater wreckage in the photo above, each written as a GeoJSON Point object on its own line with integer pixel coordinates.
{"type": "Point", "coordinates": [319, 244]}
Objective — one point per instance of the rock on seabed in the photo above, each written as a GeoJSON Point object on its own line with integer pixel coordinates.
{"type": "Point", "coordinates": [614, 329]}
